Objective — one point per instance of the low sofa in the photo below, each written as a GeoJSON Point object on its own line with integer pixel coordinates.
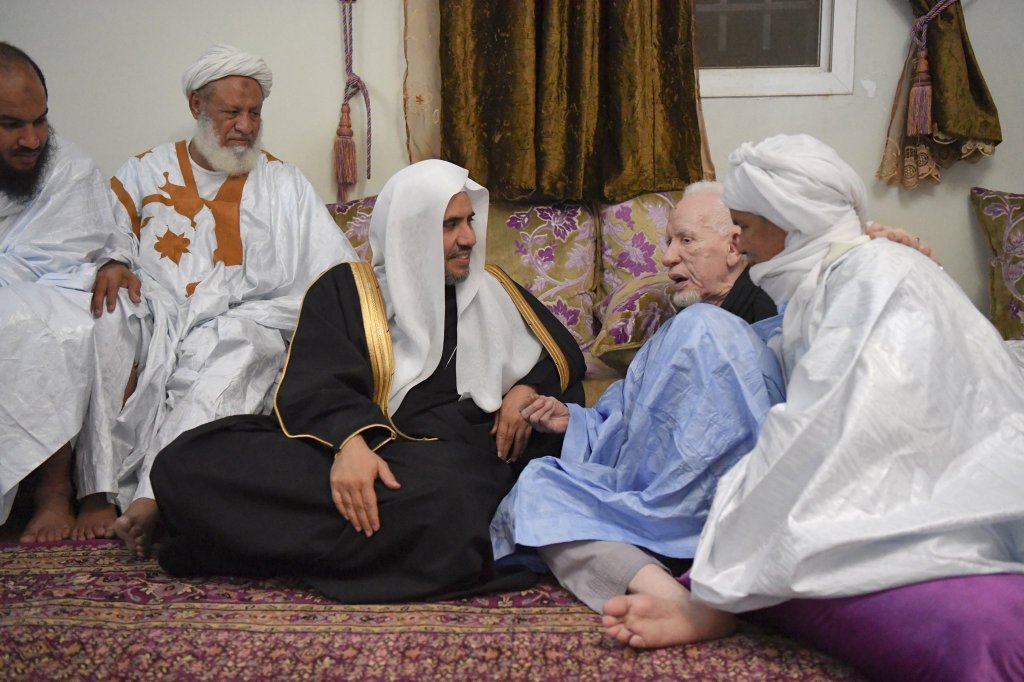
{"type": "Point", "coordinates": [597, 267]}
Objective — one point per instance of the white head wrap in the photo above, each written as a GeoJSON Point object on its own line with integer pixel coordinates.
{"type": "Point", "coordinates": [802, 186]}
{"type": "Point", "coordinates": [495, 347]}
{"type": "Point", "coordinates": [221, 61]}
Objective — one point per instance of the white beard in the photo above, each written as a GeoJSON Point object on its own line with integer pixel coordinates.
{"type": "Point", "coordinates": [684, 299]}
{"type": "Point", "coordinates": [225, 159]}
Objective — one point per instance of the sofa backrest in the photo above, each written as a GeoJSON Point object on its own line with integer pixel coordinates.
{"type": "Point", "coordinates": [597, 268]}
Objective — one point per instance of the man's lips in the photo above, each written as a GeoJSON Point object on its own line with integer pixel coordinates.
{"type": "Point", "coordinates": [679, 281]}
{"type": "Point", "coordinates": [24, 163]}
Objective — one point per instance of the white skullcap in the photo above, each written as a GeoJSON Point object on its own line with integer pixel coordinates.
{"type": "Point", "coordinates": [221, 61]}
{"type": "Point", "coordinates": [801, 185]}
{"type": "Point", "coordinates": [796, 181]}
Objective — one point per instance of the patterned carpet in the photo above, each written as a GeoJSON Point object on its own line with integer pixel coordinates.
{"type": "Point", "coordinates": [87, 611]}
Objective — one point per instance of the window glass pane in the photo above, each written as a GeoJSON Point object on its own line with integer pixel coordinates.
{"type": "Point", "coordinates": [758, 33]}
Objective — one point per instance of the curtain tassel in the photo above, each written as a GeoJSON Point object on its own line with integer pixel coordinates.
{"type": "Point", "coordinates": [919, 103]}
{"type": "Point", "coordinates": [344, 154]}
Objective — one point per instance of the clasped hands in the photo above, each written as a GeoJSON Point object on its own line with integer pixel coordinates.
{"type": "Point", "coordinates": [511, 430]}
{"type": "Point", "coordinates": [522, 411]}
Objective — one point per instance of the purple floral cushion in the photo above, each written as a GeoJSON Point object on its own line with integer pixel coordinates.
{"type": "Point", "coordinates": [631, 315]}
{"type": "Point", "coordinates": [1001, 215]}
{"type": "Point", "coordinates": [633, 238]}
{"type": "Point", "coordinates": [552, 251]}
{"type": "Point", "coordinates": [353, 217]}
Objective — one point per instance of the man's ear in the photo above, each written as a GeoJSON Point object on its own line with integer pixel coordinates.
{"type": "Point", "coordinates": [733, 255]}
{"type": "Point", "coordinates": [195, 104]}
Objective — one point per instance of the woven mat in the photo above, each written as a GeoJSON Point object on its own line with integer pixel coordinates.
{"type": "Point", "coordinates": [87, 610]}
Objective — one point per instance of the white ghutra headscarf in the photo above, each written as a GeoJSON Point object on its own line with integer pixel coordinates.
{"type": "Point", "coordinates": [802, 186]}
{"type": "Point", "coordinates": [495, 347]}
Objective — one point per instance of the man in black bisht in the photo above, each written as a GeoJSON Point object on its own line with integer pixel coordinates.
{"type": "Point", "coordinates": [396, 429]}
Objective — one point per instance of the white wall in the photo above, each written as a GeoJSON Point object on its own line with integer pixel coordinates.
{"type": "Point", "coordinates": [856, 124]}
{"type": "Point", "coordinates": [114, 67]}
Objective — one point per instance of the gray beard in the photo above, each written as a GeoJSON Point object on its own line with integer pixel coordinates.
{"type": "Point", "coordinates": [684, 299]}
{"type": "Point", "coordinates": [451, 280]}
{"type": "Point", "coordinates": [225, 159]}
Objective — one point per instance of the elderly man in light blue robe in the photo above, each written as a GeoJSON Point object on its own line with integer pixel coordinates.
{"type": "Point", "coordinates": [638, 470]}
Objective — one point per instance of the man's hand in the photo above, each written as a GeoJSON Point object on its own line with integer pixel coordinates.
{"type": "Point", "coordinates": [510, 430]}
{"type": "Point", "coordinates": [111, 278]}
{"type": "Point", "coordinates": [547, 414]}
{"type": "Point", "coordinates": [900, 236]}
{"type": "Point", "coordinates": [353, 473]}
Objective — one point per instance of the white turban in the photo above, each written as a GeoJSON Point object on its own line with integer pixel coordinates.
{"type": "Point", "coordinates": [495, 347]}
{"type": "Point", "coordinates": [802, 186]}
{"type": "Point", "coordinates": [221, 61]}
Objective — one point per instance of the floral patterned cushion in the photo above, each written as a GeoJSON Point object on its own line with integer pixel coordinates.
{"type": "Point", "coordinates": [353, 217]}
{"type": "Point", "coordinates": [1001, 215]}
{"type": "Point", "coordinates": [633, 238]}
{"type": "Point", "coordinates": [631, 314]}
{"type": "Point", "coordinates": [552, 251]}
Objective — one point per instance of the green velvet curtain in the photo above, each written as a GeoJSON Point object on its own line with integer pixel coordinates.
{"type": "Point", "coordinates": [581, 100]}
{"type": "Point", "coordinates": [962, 106]}
{"type": "Point", "coordinates": [965, 123]}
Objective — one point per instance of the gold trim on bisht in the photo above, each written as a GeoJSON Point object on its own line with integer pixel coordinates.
{"type": "Point", "coordinates": [284, 371]}
{"type": "Point", "coordinates": [378, 339]}
{"type": "Point", "coordinates": [534, 323]}
{"type": "Point", "coordinates": [378, 335]}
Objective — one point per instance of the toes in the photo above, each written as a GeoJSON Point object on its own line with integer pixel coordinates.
{"type": "Point", "coordinates": [637, 642]}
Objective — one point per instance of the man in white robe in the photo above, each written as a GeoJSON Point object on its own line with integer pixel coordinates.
{"type": "Point", "coordinates": [64, 371]}
{"type": "Point", "coordinates": [226, 239]}
{"type": "Point", "coordinates": [897, 456]}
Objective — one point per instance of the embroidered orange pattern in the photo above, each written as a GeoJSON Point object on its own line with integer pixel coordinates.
{"type": "Point", "coordinates": [171, 245]}
{"type": "Point", "coordinates": [184, 200]}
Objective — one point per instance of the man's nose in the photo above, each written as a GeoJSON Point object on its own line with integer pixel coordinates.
{"type": "Point", "coordinates": [30, 138]}
{"type": "Point", "coordinates": [467, 235]}
{"type": "Point", "coordinates": [670, 257]}
{"type": "Point", "coordinates": [245, 124]}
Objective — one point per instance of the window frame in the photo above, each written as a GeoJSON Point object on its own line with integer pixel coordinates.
{"type": "Point", "coordinates": [833, 77]}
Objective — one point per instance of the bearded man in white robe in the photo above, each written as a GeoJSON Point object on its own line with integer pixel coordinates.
{"type": "Point", "coordinates": [896, 458]}
{"type": "Point", "coordinates": [226, 239]}
{"type": "Point", "coordinates": [64, 370]}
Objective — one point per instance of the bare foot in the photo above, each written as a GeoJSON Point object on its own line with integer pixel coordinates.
{"type": "Point", "coordinates": [52, 519]}
{"type": "Point", "coordinates": [645, 621]}
{"type": "Point", "coordinates": [136, 525]}
{"type": "Point", "coordinates": [95, 519]}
